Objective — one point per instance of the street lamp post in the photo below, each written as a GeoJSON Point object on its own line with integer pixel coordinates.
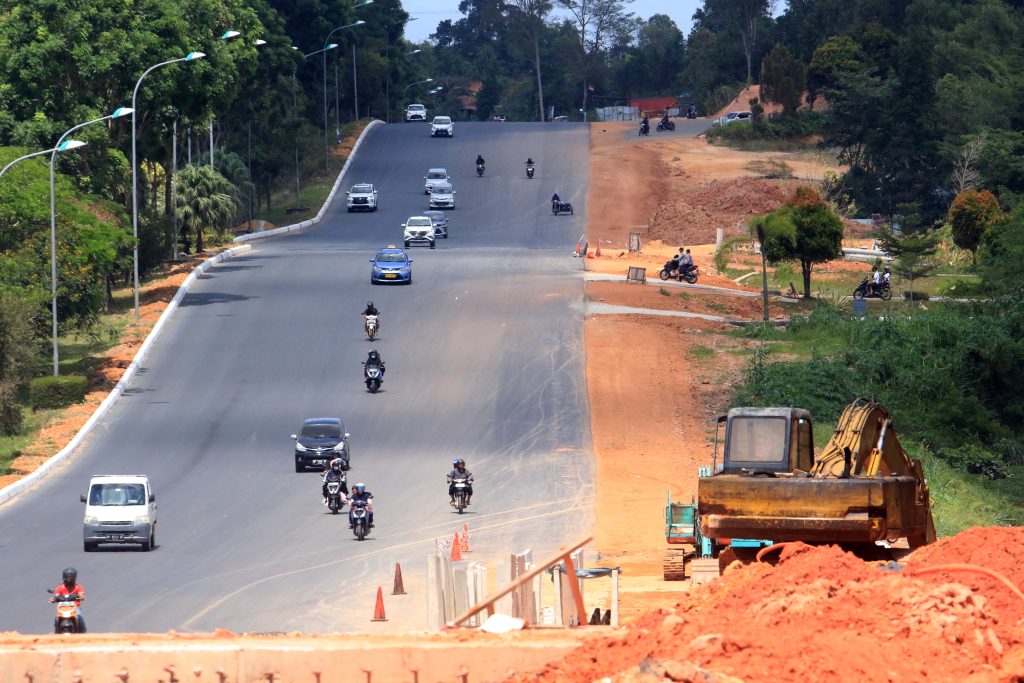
{"type": "Point", "coordinates": [324, 51]}
{"type": "Point", "coordinates": [191, 56]}
{"type": "Point", "coordinates": [387, 61]}
{"type": "Point", "coordinates": [118, 113]}
{"type": "Point", "coordinates": [406, 89]}
{"type": "Point", "coordinates": [355, 89]}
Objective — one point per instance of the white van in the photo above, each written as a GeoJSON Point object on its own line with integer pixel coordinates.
{"type": "Point", "coordinates": [119, 508]}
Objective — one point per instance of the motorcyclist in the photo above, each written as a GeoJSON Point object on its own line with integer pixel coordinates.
{"type": "Point", "coordinates": [685, 263]}
{"type": "Point", "coordinates": [359, 493]}
{"type": "Point", "coordinates": [529, 161]}
{"type": "Point", "coordinates": [887, 278]}
{"type": "Point", "coordinates": [876, 280]}
{"type": "Point", "coordinates": [371, 310]}
{"type": "Point", "coordinates": [335, 472]}
{"type": "Point", "coordinates": [479, 160]}
{"type": "Point", "coordinates": [664, 121]}
{"type": "Point", "coordinates": [645, 123]}
{"type": "Point", "coordinates": [555, 198]}
{"type": "Point", "coordinates": [373, 358]}
{"type": "Point", "coordinates": [70, 586]}
{"type": "Point", "coordinates": [460, 472]}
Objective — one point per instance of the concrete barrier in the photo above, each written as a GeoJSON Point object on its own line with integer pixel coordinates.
{"type": "Point", "coordinates": [11, 490]}
{"type": "Point", "coordinates": [295, 227]}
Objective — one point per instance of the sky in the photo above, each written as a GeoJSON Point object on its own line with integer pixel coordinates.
{"type": "Point", "coordinates": [431, 12]}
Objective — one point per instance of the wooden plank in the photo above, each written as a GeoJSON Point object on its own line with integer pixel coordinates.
{"type": "Point", "coordinates": [574, 587]}
{"type": "Point", "coordinates": [536, 571]}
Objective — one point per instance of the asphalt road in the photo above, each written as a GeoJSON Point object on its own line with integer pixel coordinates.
{"type": "Point", "coordinates": [485, 361]}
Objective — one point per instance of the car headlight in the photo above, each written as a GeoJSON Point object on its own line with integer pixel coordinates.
{"type": "Point", "coordinates": [340, 448]}
{"type": "Point", "coordinates": [142, 520]}
{"type": "Point", "coordinates": [299, 448]}
{"type": "Point", "coordinates": [92, 520]}
{"type": "Point", "coordinates": [404, 271]}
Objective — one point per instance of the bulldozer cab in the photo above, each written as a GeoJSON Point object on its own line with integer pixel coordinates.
{"type": "Point", "coordinates": [766, 441]}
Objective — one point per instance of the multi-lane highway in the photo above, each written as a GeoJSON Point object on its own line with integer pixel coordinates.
{"type": "Point", "coordinates": [485, 361]}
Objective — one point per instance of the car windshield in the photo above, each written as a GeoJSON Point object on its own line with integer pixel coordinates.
{"type": "Point", "coordinates": [117, 494]}
{"type": "Point", "coordinates": [437, 175]}
{"type": "Point", "coordinates": [443, 120]}
{"type": "Point", "coordinates": [413, 222]}
{"type": "Point", "coordinates": [435, 216]}
{"type": "Point", "coordinates": [321, 430]}
{"type": "Point", "coordinates": [416, 107]}
{"type": "Point", "coordinates": [391, 258]}
{"type": "Point", "coordinates": [362, 189]}
{"type": "Point", "coordinates": [442, 189]}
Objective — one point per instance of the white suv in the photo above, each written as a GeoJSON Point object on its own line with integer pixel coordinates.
{"type": "Point", "coordinates": [442, 197]}
{"type": "Point", "coordinates": [442, 126]}
{"type": "Point", "coordinates": [419, 229]}
{"type": "Point", "coordinates": [362, 196]}
{"type": "Point", "coordinates": [119, 508]}
{"type": "Point", "coordinates": [435, 176]}
{"type": "Point", "coordinates": [415, 112]}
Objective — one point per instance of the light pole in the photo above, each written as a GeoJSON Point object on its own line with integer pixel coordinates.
{"type": "Point", "coordinates": [70, 144]}
{"type": "Point", "coordinates": [355, 89]}
{"type": "Point", "coordinates": [324, 50]}
{"type": "Point", "coordinates": [118, 113]}
{"type": "Point", "coordinates": [191, 56]}
{"type": "Point", "coordinates": [295, 106]}
{"type": "Point", "coordinates": [406, 89]}
{"type": "Point", "coordinates": [387, 60]}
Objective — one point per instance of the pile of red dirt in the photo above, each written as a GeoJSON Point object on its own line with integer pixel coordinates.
{"type": "Point", "coordinates": [824, 614]}
{"type": "Point", "coordinates": [694, 217]}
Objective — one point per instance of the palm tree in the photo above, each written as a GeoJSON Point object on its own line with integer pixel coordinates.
{"type": "Point", "coordinates": [204, 201]}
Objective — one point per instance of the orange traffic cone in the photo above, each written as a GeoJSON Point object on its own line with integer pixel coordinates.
{"type": "Point", "coordinates": [597, 252]}
{"type": "Point", "coordinates": [464, 544]}
{"type": "Point", "coordinates": [378, 610]}
{"type": "Point", "coordinates": [399, 588]}
{"type": "Point", "coordinates": [456, 551]}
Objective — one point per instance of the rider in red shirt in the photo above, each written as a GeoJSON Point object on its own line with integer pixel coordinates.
{"type": "Point", "coordinates": [70, 586]}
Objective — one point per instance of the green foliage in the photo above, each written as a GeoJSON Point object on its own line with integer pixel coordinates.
{"type": "Point", "coordinates": [781, 134]}
{"type": "Point", "coordinates": [783, 79]}
{"type": "Point", "coordinates": [1001, 255]}
{"type": "Point", "coordinates": [804, 230]}
{"type": "Point", "coordinates": [837, 57]}
{"type": "Point", "coordinates": [204, 201]}
{"type": "Point", "coordinates": [970, 215]}
{"type": "Point", "coordinates": [914, 253]}
{"type": "Point", "coordinates": [56, 392]}
{"type": "Point", "coordinates": [725, 250]}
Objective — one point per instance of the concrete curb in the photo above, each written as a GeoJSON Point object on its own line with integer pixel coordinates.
{"type": "Point", "coordinates": [613, 309]}
{"type": "Point", "coordinates": [11, 490]}
{"type": "Point", "coordinates": [295, 227]}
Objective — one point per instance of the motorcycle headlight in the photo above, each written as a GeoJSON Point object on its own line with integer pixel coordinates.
{"type": "Point", "coordinates": [299, 448]}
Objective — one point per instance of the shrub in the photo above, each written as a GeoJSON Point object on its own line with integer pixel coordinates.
{"type": "Point", "coordinates": [10, 410]}
{"type": "Point", "coordinates": [56, 392]}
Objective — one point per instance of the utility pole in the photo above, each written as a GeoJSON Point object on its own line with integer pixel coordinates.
{"type": "Point", "coordinates": [764, 274]}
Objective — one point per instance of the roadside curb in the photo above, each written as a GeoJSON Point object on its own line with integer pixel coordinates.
{"type": "Point", "coordinates": [295, 227]}
{"type": "Point", "coordinates": [11, 490]}
{"type": "Point", "coordinates": [613, 309]}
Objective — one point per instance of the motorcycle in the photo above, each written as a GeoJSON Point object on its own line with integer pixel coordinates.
{"type": "Point", "coordinates": [561, 207]}
{"type": "Point", "coordinates": [645, 128]}
{"type": "Point", "coordinates": [691, 113]}
{"type": "Point", "coordinates": [479, 169]}
{"type": "Point", "coordinates": [666, 125]}
{"type": "Point", "coordinates": [374, 377]}
{"type": "Point", "coordinates": [67, 612]}
{"type": "Point", "coordinates": [372, 326]}
{"type": "Point", "coordinates": [461, 486]}
{"type": "Point", "coordinates": [529, 171]}
{"type": "Point", "coordinates": [360, 519]}
{"type": "Point", "coordinates": [866, 290]}
{"type": "Point", "coordinates": [670, 272]}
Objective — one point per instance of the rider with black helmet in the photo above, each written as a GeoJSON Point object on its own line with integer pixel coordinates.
{"type": "Point", "coordinates": [370, 309]}
{"type": "Point", "coordinates": [69, 586]}
{"type": "Point", "coordinates": [334, 472]}
{"type": "Point", "coordinates": [460, 472]}
{"type": "Point", "coordinates": [359, 492]}
{"type": "Point", "coordinates": [373, 358]}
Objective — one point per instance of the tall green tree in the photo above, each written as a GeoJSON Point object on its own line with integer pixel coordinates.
{"type": "Point", "coordinates": [783, 78]}
{"type": "Point", "coordinates": [971, 214]}
{"type": "Point", "coordinates": [805, 229]}
{"type": "Point", "coordinates": [530, 16]}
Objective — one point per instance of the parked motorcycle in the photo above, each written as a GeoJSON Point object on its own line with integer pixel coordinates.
{"type": "Point", "coordinates": [461, 486]}
{"type": "Point", "coordinates": [529, 171]}
{"type": "Point", "coordinates": [645, 128]}
{"type": "Point", "coordinates": [360, 519]}
{"type": "Point", "coordinates": [666, 125]}
{"type": "Point", "coordinates": [479, 169]}
{"type": "Point", "coordinates": [374, 377]}
{"type": "Point", "coordinates": [561, 207]}
{"type": "Point", "coordinates": [67, 612]}
{"type": "Point", "coordinates": [691, 112]}
{"type": "Point", "coordinates": [866, 290]}
{"type": "Point", "coordinates": [371, 326]}
{"type": "Point", "coordinates": [670, 272]}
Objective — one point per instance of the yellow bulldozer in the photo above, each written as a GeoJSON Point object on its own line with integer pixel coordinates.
{"type": "Point", "coordinates": [769, 487]}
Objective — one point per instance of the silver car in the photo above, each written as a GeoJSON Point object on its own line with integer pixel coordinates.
{"type": "Point", "coordinates": [435, 176]}
{"type": "Point", "coordinates": [442, 197]}
{"type": "Point", "coordinates": [440, 222]}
